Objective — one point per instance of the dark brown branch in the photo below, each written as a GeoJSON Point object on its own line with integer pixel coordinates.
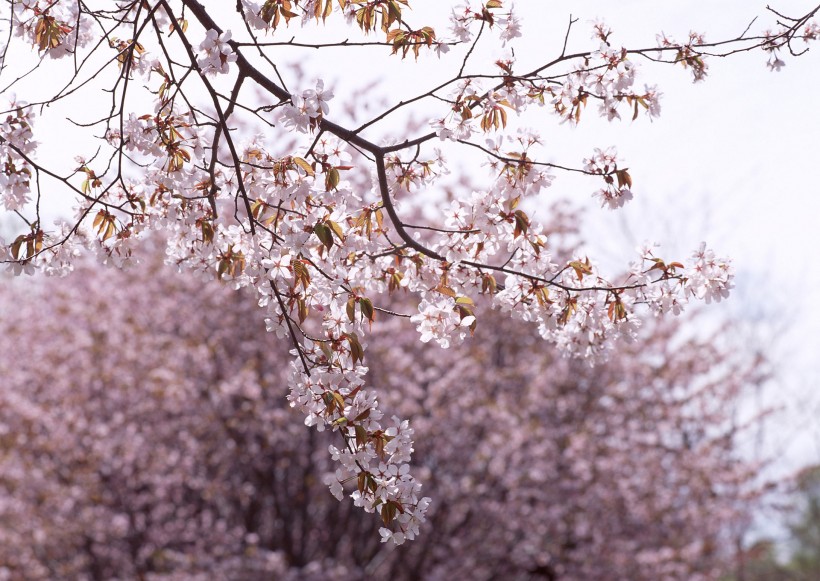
{"type": "Point", "coordinates": [296, 344]}
{"type": "Point", "coordinates": [342, 43]}
{"type": "Point", "coordinates": [215, 146]}
{"type": "Point", "coordinates": [472, 48]}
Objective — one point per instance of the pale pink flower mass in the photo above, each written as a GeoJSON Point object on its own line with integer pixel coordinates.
{"type": "Point", "coordinates": [226, 153]}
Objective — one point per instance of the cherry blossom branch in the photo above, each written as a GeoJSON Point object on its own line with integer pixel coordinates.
{"type": "Point", "coordinates": [223, 122]}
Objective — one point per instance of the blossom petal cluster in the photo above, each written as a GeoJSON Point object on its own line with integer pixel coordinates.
{"type": "Point", "coordinates": [16, 139]}
{"type": "Point", "coordinates": [216, 55]}
{"type": "Point", "coordinates": [307, 108]}
{"type": "Point", "coordinates": [55, 29]}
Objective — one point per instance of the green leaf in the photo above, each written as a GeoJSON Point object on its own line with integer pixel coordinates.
{"type": "Point", "coordinates": [332, 179]}
{"type": "Point", "coordinates": [356, 349]}
{"type": "Point", "coordinates": [337, 230]}
{"type": "Point", "coordinates": [207, 231]}
{"type": "Point", "coordinates": [366, 305]}
{"type": "Point", "coordinates": [581, 268]}
{"type": "Point", "coordinates": [324, 234]}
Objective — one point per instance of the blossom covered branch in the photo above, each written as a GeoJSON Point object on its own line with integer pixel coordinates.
{"type": "Point", "coordinates": [266, 191]}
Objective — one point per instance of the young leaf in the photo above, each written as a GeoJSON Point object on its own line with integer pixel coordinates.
{"type": "Point", "coordinates": [324, 234]}
{"type": "Point", "coordinates": [366, 305]}
{"type": "Point", "coordinates": [332, 179]}
{"type": "Point", "coordinates": [356, 350]}
{"type": "Point", "coordinates": [308, 169]}
{"type": "Point", "coordinates": [624, 179]}
{"type": "Point", "coordinates": [351, 309]}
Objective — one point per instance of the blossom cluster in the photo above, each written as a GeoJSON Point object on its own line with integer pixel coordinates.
{"type": "Point", "coordinates": [493, 14]}
{"type": "Point", "coordinates": [307, 109]}
{"type": "Point", "coordinates": [773, 41]}
{"type": "Point", "coordinates": [687, 54]}
{"type": "Point", "coordinates": [56, 29]}
{"type": "Point", "coordinates": [708, 278]}
{"type": "Point", "coordinates": [440, 321]}
{"type": "Point", "coordinates": [618, 181]}
{"type": "Point", "coordinates": [375, 458]}
{"type": "Point", "coordinates": [16, 140]}
{"type": "Point", "coordinates": [607, 76]}
{"type": "Point", "coordinates": [216, 55]}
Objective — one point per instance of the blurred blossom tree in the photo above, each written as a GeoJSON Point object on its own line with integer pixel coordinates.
{"type": "Point", "coordinates": [200, 135]}
{"type": "Point", "coordinates": [144, 434]}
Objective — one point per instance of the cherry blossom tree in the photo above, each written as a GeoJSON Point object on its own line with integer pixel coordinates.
{"type": "Point", "coordinates": [154, 442]}
{"type": "Point", "coordinates": [200, 132]}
